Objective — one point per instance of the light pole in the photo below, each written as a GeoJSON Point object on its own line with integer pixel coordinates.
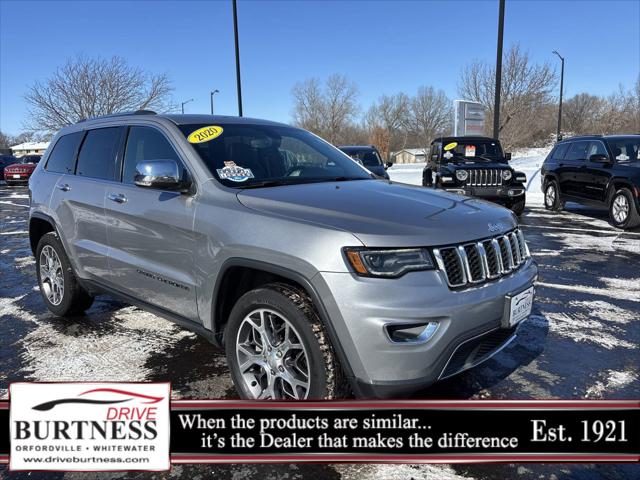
{"type": "Point", "coordinates": [496, 105]}
{"type": "Point", "coordinates": [235, 33]}
{"type": "Point", "coordinates": [559, 134]}
{"type": "Point", "coordinates": [184, 103]}
{"type": "Point", "coordinates": [212, 94]}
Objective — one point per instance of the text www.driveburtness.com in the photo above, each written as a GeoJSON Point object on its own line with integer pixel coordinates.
{"type": "Point", "coordinates": [72, 460]}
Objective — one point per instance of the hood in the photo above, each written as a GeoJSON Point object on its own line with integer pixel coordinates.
{"type": "Point", "coordinates": [21, 166]}
{"type": "Point", "coordinates": [383, 214]}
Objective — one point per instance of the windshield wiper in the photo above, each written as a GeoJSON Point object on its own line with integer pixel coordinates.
{"type": "Point", "coordinates": [270, 183]}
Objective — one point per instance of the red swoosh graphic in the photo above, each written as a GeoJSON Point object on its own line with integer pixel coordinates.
{"type": "Point", "coordinates": [124, 392]}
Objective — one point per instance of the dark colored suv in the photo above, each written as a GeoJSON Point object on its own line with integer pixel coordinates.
{"type": "Point", "coordinates": [477, 167]}
{"type": "Point", "coordinates": [5, 161]}
{"type": "Point", "coordinates": [369, 157]}
{"type": "Point", "coordinates": [596, 170]}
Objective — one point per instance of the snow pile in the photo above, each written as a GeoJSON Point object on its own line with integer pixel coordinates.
{"type": "Point", "coordinates": [527, 160]}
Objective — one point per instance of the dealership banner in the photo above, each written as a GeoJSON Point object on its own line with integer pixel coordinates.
{"type": "Point", "coordinates": [135, 426]}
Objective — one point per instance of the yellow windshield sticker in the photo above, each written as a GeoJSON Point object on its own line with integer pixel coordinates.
{"type": "Point", "coordinates": [205, 134]}
{"type": "Point", "coordinates": [450, 146]}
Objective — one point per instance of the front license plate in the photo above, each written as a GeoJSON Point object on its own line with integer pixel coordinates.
{"type": "Point", "coordinates": [519, 307]}
{"type": "Point", "coordinates": [15, 175]}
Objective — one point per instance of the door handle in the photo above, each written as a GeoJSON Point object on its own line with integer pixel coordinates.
{"type": "Point", "coordinates": [117, 197]}
{"type": "Point", "coordinates": [64, 188]}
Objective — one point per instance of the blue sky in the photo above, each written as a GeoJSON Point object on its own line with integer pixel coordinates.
{"type": "Point", "coordinates": [384, 46]}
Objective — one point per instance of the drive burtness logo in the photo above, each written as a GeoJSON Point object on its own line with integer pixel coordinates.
{"type": "Point", "coordinates": [89, 427]}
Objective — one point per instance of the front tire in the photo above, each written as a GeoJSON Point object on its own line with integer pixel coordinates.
{"type": "Point", "coordinates": [62, 293]}
{"type": "Point", "coordinates": [277, 347]}
{"type": "Point", "coordinates": [518, 207]}
{"type": "Point", "coordinates": [622, 210]}
{"type": "Point", "coordinates": [552, 197]}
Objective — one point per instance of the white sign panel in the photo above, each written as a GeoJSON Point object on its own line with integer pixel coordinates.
{"type": "Point", "coordinates": [89, 426]}
{"type": "Point", "coordinates": [469, 118]}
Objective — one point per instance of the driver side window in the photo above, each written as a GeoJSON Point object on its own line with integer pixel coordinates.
{"type": "Point", "coordinates": [144, 144]}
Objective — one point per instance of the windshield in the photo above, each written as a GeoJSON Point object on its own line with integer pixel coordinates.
{"type": "Point", "coordinates": [245, 156]}
{"type": "Point", "coordinates": [473, 151]}
{"type": "Point", "coordinates": [368, 157]}
{"type": "Point", "coordinates": [626, 150]}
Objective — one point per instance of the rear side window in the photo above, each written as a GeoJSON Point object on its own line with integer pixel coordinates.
{"type": "Point", "coordinates": [560, 151]}
{"type": "Point", "coordinates": [143, 144]}
{"type": "Point", "coordinates": [97, 157]}
{"type": "Point", "coordinates": [63, 156]}
{"type": "Point", "coordinates": [597, 148]}
{"type": "Point", "coordinates": [577, 151]}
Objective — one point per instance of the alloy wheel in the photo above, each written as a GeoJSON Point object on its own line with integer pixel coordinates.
{"type": "Point", "coordinates": [272, 360]}
{"type": "Point", "coordinates": [620, 208]}
{"type": "Point", "coordinates": [51, 276]}
{"type": "Point", "coordinates": [550, 196]}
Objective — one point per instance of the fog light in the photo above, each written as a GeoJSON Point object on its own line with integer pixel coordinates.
{"type": "Point", "coordinates": [411, 332]}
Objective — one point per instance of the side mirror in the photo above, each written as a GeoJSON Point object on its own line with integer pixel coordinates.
{"type": "Point", "coordinates": [599, 158]}
{"type": "Point", "coordinates": [162, 174]}
{"type": "Point", "coordinates": [507, 156]}
{"type": "Point", "coordinates": [388, 165]}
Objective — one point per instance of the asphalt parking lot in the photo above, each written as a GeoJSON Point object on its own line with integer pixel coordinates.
{"type": "Point", "coordinates": [581, 342]}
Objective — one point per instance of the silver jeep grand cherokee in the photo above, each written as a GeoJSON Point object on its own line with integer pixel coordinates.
{"type": "Point", "coordinates": [317, 278]}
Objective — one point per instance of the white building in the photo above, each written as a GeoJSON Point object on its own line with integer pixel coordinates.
{"type": "Point", "coordinates": [410, 155]}
{"type": "Point", "coordinates": [29, 148]}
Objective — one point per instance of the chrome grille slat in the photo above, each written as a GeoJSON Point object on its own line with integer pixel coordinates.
{"type": "Point", "coordinates": [471, 264]}
{"type": "Point", "coordinates": [485, 177]}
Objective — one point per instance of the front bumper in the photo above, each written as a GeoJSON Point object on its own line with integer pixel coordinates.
{"type": "Point", "coordinates": [504, 194]}
{"type": "Point", "coordinates": [16, 177]}
{"type": "Point", "coordinates": [361, 309]}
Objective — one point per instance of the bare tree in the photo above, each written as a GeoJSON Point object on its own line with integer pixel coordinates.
{"type": "Point", "coordinates": [327, 111]}
{"type": "Point", "coordinates": [526, 88]}
{"type": "Point", "coordinates": [388, 120]}
{"type": "Point", "coordinates": [340, 105]}
{"type": "Point", "coordinates": [86, 87]}
{"type": "Point", "coordinates": [430, 114]}
{"type": "Point", "coordinates": [308, 109]}
{"type": "Point", "coordinates": [5, 140]}
{"type": "Point", "coordinates": [580, 113]}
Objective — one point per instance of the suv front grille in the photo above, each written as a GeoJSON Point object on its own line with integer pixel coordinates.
{"type": "Point", "coordinates": [471, 264]}
{"type": "Point", "coordinates": [485, 177]}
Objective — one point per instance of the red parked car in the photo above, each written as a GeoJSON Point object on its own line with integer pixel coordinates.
{"type": "Point", "coordinates": [21, 170]}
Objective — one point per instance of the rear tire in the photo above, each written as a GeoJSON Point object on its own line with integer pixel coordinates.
{"type": "Point", "coordinates": [552, 200]}
{"type": "Point", "coordinates": [62, 293]}
{"type": "Point", "coordinates": [277, 347]}
{"type": "Point", "coordinates": [622, 210]}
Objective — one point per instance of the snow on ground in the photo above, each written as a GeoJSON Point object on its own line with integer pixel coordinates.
{"type": "Point", "coordinates": [528, 161]}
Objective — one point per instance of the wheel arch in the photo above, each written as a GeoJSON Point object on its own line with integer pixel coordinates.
{"type": "Point", "coordinates": [224, 298]}
{"type": "Point", "coordinates": [39, 225]}
{"type": "Point", "coordinates": [614, 185]}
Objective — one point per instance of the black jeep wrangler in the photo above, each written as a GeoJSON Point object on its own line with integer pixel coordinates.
{"type": "Point", "coordinates": [595, 170]}
{"type": "Point", "coordinates": [477, 167]}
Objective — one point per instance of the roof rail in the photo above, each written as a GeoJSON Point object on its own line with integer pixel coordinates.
{"type": "Point", "coordinates": [120, 114]}
{"type": "Point", "coordinates": [590, 135]}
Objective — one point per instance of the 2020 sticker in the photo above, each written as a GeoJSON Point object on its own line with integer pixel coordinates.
{"type": "Point", "coordinates": [205, 134]}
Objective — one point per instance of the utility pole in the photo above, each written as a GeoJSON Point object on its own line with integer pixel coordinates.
{"type": "Point", "coordinates": [212, 94]}
{"type": "Point", "coordinates": [235, 32]}
{"type": "Point", "coordinates": [559, 132]}
{"type": "Point", "coordinates": [184, 103]}
{"type": "Point", "coordinates": [496, 106]}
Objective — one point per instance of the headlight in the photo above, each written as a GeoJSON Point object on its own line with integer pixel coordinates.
{"type": "Point", "coordinates": [388, 263]}
{"type": "Point", "coordinates": [506, 174]}
{"type": "Point", "coordinates": [462, 175]}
